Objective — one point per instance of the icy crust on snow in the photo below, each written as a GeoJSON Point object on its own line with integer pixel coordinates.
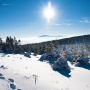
{"type": "Point", "coordinates": [61, 63]}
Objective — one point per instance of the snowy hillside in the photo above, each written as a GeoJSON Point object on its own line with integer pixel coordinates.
{"type": "Point", "coordinates": [18, 72]}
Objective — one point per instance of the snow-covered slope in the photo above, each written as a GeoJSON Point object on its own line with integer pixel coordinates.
{"type": "Point", "coordinates": [18, 72]}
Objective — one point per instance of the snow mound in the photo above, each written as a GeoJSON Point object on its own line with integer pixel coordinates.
{"type": "Point", "coordinates": [61, 63]}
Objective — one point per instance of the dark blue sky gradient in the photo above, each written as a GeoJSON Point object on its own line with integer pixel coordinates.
{"type": "Point", "coordinates": [24, 18]}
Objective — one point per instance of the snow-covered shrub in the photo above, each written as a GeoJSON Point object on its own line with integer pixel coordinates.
{"type": "Point", "coordinates": [35, 54]}
{"type": "Point", "coordinates": [46, 56]}
{"type": "Point", "coordinates": [74, 52]}
{"type": "Point", "coordinates": [8, 49]}
{"type": "Point", "coordinates": [1, 51]}
{"type": "Point", "coordinates": [43, 57]}
{"type": "Point", "coordinates": [55, 53]}
{"type": "Point", "coordinates": [61, 63]}
{"type": "Point", "coordinates": [65, 51]}
{"type": "Point", "coordinates": [66, 54]}
{"type": "Point", "coordinates": [79, 53]}
{"type": "Point", "coordinates": [27, 54]}
{"type": "Point", "coordinates": [83, 51]}
{"type": "Point", "coordinates": [82, 60]}
{"type": "Point", "coordinates": [51, 55]}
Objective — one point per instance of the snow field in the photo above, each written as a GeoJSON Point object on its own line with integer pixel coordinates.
{"type": "Point", "coordinates": [23, 73]}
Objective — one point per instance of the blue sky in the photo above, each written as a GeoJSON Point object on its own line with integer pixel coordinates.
{"type": "Point", "coordinates": [24, 18]}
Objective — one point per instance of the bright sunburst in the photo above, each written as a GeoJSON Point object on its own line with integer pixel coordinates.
{"type": "Point", "coordinates": [49, 12]}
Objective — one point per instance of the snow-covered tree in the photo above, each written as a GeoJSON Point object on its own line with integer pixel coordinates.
{"type": "Point", "coordinates": [1, 41]}
{"type": "Point", "coordinates": [19, 42]}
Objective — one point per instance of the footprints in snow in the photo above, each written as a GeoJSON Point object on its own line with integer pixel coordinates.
{"type": "Point", "coordinates": [10, 81]}
{"type": "Point", "coordinates": [1, 76]}
{"type": "Point", "coordinates": [13, 86]}
{"type": "Point", "coordinates": [3, 67]}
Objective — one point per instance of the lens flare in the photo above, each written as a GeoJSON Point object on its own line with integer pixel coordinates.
{"type": "Point", "coordinates": [49, 4]}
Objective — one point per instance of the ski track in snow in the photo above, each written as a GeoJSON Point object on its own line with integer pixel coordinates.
{"type": "Point", "coordinates": [18, 72]}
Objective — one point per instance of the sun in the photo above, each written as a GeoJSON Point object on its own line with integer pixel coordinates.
{"type": "Point", "coordinates": [49, 12]}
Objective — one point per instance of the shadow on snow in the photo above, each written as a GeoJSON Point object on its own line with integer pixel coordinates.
{"type": "Point", "coordinates": [61, 71]}
{"type": "Point", "coordinates": [84, 66]}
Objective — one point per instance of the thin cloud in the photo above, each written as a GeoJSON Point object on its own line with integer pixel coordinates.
{"type": "Point", "coordinates": [68, 24]}
{"type": "Point", "coordinates": [84, 21]}
{"type": "Point", "coordinates": [57, 24]}
{"type": "Point", "coordinates": [7, 4]}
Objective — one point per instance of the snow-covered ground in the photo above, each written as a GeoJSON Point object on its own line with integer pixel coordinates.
{"type": "Point", "coordinates": [18, 72]}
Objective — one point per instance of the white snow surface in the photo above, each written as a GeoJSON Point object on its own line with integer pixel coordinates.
{"type": "Point", "coordinates": [18, 72]}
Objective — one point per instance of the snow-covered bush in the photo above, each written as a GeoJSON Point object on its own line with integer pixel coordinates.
{"type": "Point", "coordinates": [82, 60]}
{"type": "Point", "coordinates": [79, 53]}
{"type": "Point", "coordinates": [71, 52]}
{"type": "Point", "coordinates": [83, 51]}
{"type": "Point", "coordinates": [43, 57]}
{"type": "Point", "coordinates": [8, 49]}
{"type": "Point", "coordinates": [47, 56]}
{"type": "Point", "coordinates": [1, 51]}
{"type": "Point", "coordinates": [74, 51]}
{"type": "Point", "coordinates": [61, 63]}
{"type": "Point", "coordinates": [65, 51]}
{"type": "Point", "coordinates": [66, 54]}
{"type": "Point", "coordinates": [27, 54]}
{"type": "Point", "coordinates": [52, 55]}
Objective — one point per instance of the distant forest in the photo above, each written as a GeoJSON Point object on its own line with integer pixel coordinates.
{"type": "Point", "coordinates": [12, 45]}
